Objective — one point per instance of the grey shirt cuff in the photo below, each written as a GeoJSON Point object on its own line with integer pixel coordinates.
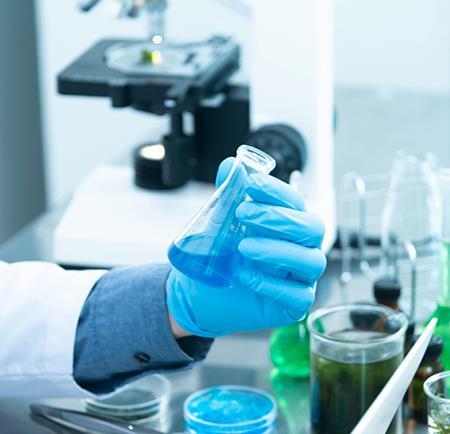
{"type": "Point", "coordinates": [124, 331]}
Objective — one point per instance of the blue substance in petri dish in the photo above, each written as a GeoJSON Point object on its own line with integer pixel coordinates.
{"type": "Point", "coordinates": [218, 270]}
{"type": "Point", "coordinates": [230, 410]}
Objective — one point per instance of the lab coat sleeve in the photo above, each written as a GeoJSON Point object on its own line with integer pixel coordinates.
{"type": "Point", "coordinates": [40, 305]}
{"type": "Point", "coordinates": [124, 331]}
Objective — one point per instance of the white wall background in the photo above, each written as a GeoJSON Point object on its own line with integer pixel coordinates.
{"type": "Point", "coordinates": [384, 43]}
{"type": "Point", "coordinates": [393, 43]}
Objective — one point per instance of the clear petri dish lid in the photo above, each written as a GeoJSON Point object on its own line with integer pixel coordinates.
{"type": "Point", "coordinates": [143, 412]}
{"type": "Point", "coordinates": [147, 395]}
{"type": "Point", "coordinates": [230, 409]}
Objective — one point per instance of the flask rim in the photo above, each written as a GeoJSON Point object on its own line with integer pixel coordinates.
{"type": "Point", "coordinates": [255, 157]}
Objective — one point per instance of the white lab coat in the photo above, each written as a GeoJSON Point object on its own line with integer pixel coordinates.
{"type": "Point", "coordinates": [40, 304]}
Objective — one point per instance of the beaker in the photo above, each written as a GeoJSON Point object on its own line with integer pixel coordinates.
{"type": "Point", "coordinates": [207, 249]}
{"type": "Point", "coordinates": [410, 230]}
{"type": "Point", "coordinates": [437, 389]}
{"type": "Point", "coordinates": [355, 348]}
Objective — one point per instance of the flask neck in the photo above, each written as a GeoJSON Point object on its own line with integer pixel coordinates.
{"type": "Point", "coordinates": [254, 160]}
{"type": "Point", "coordinates": [411, 166]}
{"type": "Point", "coordinates": [411, 175]}
{"type": "Point", "coordinates": [249, 161]}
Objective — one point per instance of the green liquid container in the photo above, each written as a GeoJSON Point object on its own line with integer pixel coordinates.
{"type": "Point", "coordinates": [289, 350]}
{"type": "Point", "coordinates": [442, 311]}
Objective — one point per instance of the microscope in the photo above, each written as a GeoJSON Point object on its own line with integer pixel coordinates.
{"type": "Point", "coordinates": [285, 109]}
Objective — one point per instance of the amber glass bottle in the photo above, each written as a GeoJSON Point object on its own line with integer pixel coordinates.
{"type": "Point", "coordinates": [417, 400]}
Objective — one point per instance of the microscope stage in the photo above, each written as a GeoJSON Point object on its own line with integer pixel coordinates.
{"type": "Point", "coordinates": [156, 78]}
{"type": "Point", "coordinates": [167, 59]}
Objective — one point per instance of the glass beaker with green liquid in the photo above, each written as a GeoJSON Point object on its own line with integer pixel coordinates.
{"type": "Point", "coordinates": [355, 348]}
{"type": "Point", "coordinates": [442, 311]}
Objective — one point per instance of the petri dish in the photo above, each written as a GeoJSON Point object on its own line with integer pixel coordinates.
{"type": "Point", "coordinates": [143, 400]}
{"type": "Point", "coordinates": [230, 410]}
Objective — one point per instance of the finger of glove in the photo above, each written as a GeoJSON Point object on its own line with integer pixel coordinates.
{"type": "Point", "coordinates": [284, 223]}
{"type": "Point", "coordinates": [304, 263]}
{"type": "Point", "coordinates": [224, 170]}
{"type": "Point", "coordinates": [296, 297]}
{"type": "Point", "coordinates": [270, 190]}
{"type": "Point", "coordinates": [265, 268]}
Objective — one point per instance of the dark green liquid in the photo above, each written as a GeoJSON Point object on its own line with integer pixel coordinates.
{"type": "Point", "coordinates": [342, 392]}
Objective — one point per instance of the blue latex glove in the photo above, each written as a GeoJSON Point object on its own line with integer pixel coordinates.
{"type": "Point", "coordinates": [277, 285]}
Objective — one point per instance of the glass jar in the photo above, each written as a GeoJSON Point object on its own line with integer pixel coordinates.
{"type": "Point", "coordinates": [442, 310]}
{"type": "Point", "coordinates": [355, 348]}
{"type": "Point", "coordinates": [437, 389]}
{"type": "Point", "coordinates": [412, 216]}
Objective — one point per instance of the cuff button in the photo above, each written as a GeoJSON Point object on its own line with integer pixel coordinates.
{"type": "Point", "coordinates": [142, 358]}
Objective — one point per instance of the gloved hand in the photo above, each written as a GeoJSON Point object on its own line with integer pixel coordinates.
{"type": "Point", "coordinates": [278, 285]}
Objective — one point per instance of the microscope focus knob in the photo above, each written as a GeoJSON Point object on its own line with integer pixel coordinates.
{"type": "Point", "coordinates": [285, 144]}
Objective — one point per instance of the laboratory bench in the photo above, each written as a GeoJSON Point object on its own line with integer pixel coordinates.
{"type": "Point", "coordinates": [372, 124]}
{"type": "Point", "coordinates": [240, 359]}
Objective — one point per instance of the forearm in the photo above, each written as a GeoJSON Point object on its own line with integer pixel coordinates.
{"type": "Point", "coordinates": [125, 331]}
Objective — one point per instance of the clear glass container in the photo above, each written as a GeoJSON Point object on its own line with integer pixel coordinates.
{"type": "Point", "coordinates": [289, 350]}
{"type": "Point", "coordinates": [437, 389]}
{"type": "Point", "coordinates": [144, 401]}
{"type": "Point", "coordinates": [442, 311]}
{"type": "Point", "coordinates": [411, 216]}
{"type": "Point", "coordinates": [355, 348]}
{"type": "Point", "coordinates": [230, 409]}
{"type": "Point", "coordinates": [207, 249]}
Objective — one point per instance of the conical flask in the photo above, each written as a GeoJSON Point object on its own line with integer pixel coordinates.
{"type": "Point", "coordinates": [289, 350]}
{"type": "Point", "coordinates": [207, 249]}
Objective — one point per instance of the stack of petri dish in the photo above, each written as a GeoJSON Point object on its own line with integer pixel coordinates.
{"type": "Point", "coordinates": [144, 401]}
{"type": "Point", "coordinates": [230, 410]}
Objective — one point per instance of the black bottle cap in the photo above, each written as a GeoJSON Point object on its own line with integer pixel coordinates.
{"type": "Point", "coordinates": [434, 349]}
{"type": "Point", "coordinates": [387, 288]}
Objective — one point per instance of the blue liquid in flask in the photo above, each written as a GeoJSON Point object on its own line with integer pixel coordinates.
{"type": "Point", "coordinates": [207, 249]}
{"type": "Point", "coordinates": [192, 256]}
